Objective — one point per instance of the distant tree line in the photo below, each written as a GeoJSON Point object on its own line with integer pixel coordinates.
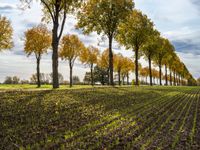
{"type": "Point", "coordinates": [45, 78]}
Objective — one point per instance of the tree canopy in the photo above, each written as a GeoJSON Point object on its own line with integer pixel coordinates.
{"type": "Point", "coordinates": [6, 32]}
{"type": "Point", "coordinates": [104, 17]}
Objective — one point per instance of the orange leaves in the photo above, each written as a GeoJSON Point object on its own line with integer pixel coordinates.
{"type": "Point", "coordinates": [37, 40]}
{"type": "Point", "coordinates": [118, 62]}
{"type": "Point", "coordinates": [71, 47]}
{"type": "Point", "coordinates": [89, 55]}
{"type": "Point", "coordinates": [144, 72]}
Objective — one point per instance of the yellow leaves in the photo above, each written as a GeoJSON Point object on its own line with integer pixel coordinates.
{"type": "Point", "coordinates": [155, 73]}
{"type": "Point", "coordinates": [37, 40]}
{"type": "Point", "coordinates": [71, 47]}
{"type": "Point", "coordinates": [89, 55]}
{"type": "Point", "coordinates": [103, 16]}
{"type": "Point", "coordinates": [123, 64]}
{"type": "Point", "coordinates": [118, 62]}
{"type": "Point", "coordinates": [6, 33]}
{"type": "Point", "coordinates": [135, 30]}
{"type": "Point", "coordinates": [128, 66]}
{"type": "Point", "coordinates": [144, 72]}
{"type": "Point", "coordinates": [103, 61]}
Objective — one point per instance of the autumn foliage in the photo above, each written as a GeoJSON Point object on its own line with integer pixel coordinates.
{"type": "Point", "coordinates": [6, 32]}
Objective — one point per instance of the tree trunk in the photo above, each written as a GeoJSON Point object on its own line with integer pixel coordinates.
{"type": "Point", "coordinates": [92, 78]}
{"type": "Point", "coordinates": [178, 79]}
{"type": "Point", "coordinates": [119, 77]}
{"type": "Point", "coordinates": [160, 73]}
{"type": "Point", "coordinates": [102, 79]}
{"type": "Point", "coordinates": [150, 72]}
{"type": "Point", "coordinates": [146, 81]}
{"type": "Point", "coordinates": [38, 73]}
{"type": "Point", "coordinates": [55, 43]}
{"type": "Point", "coordinates": [127, 76]}
{"type": "Point", "coordinates": [166, 78]}
{"type": "Point", "coordinates": [108, 73]}
{"type": "Point", "coordinates": [111, 61]}
{"type": "Point", "coordinates": [70, 76]}
{"type": "Point", "coordinates": [170, 77]}
{"type": "Point", "coordinates": [174, 78]}
{"type": "Point", "coordinates": [136, 67]}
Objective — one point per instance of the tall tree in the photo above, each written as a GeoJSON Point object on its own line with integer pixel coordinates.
{"type": "Point", "coordinates": [89, 56]}
{"type": "Point", "coordinates": [160, 55]}
{"type": "Point", "coordinates": [175, 62]}
{"type": "Point", "coordinates": [171, 59]}
{"type": "Point", "coordinates": [6, 33]}
{"type": "Point", "coordinates": [149, 50]}
{"type": "Point", "coordinates": [55, 11]}
{"type": "Point", "coordinates": [133, 34]}
{"type": "Point", "coordinates": [104, 16]}
{"type": "Point", "coordinates": [37, 41]}
{"type": "Point", "coordinates": [166, 60]}
{"type": "Point", "coordinates": [155, 75]}
{"type": "Point", "coordinates": [70, 49]}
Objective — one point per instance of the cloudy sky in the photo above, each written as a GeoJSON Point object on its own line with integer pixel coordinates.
{"type": "Point", "coordinates": [177, 20]}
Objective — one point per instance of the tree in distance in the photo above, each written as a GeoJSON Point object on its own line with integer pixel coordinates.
{"type": "Point", "coordinates": [103, 17]}
{"type": "Point", "coordinates": [149, 49]}
{"type": "Point", "coordinates": [89, 56]}
{"type": "Point", "coordinates": [144, 72]}
{"type": "Point", "coordinates": [155, 75]}
{"type": "Point", "coordinates": [160, 54]}
{"type": "Point", "coordinates": [166, 60]}
{"type": "Point", "coordinates": [75, 80]}
{"type": "Point", "coordinates": [12, 80]}
{"type": "Point", "coordinates": [128, 66]}
{"type": "Point", "coordinates": [118, 65]}
{"type": "Point", "coordinates": [103, 62]}
{"type": "Point", "coordinates": [70, 50]}
{"type": "Point", "coordinates": [6, 33]}
{"type": "Point", "coordinates": [37, 42]}
{"type": "Point", "coordinates": [100, 75]}
{"type": "Point", "coordinates": [171, 59]}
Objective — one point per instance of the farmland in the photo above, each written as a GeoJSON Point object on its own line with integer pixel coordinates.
{"type": "Point", "coordinates": [98, 118]}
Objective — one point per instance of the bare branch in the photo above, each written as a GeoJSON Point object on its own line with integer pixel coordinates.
{"type": "Point", "coordinates": [63, 23]}
{"type": "Point", "coordinates": [49, 9]}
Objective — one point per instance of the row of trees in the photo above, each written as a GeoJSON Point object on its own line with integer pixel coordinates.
{"type": "Point", "coordinates": [117, 20]}
{"type": "Point", "coordinates": [153, 47]}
